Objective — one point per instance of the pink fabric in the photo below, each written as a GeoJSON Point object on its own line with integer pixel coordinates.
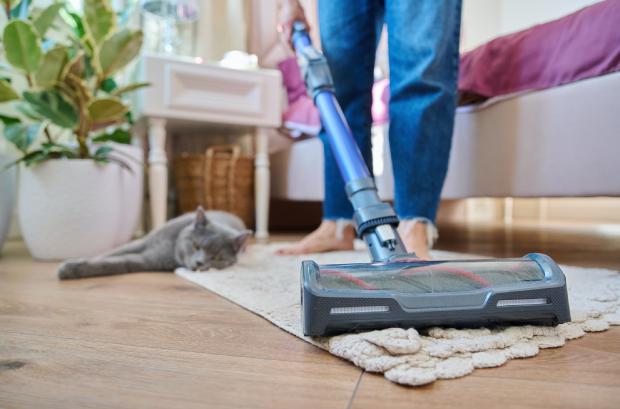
{"type": "Point", "coordinates": [301, 117]}
{"type": "Point", "coordinates": [291, 76]}
{"type": "Point", "coordinates": [581, 45]}
{"type": "Point", "coordinates": [380, 99]}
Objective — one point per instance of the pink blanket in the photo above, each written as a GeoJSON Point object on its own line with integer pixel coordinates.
{"type": "Point", "coordinates": [581, 45]}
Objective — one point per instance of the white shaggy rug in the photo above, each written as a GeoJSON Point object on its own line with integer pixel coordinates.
{"type": "Point", "coordinates": [268, 285]}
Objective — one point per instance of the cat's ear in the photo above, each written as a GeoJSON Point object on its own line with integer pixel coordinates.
{"type": "Point", "coordinates": [241, 238]}
{"type": "Point", "coordinates": [201, 218]}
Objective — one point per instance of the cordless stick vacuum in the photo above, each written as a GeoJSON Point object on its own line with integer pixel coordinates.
{"type": "Point", "coordinates": [396, 288]}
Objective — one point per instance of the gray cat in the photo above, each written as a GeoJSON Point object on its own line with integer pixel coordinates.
{"type": "Point", "coordinates": [197, 241]}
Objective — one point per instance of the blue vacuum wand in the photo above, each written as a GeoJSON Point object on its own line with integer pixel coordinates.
{"type": "Point", "coordinates": [375, 220]}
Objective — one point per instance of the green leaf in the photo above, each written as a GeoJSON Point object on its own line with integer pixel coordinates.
{"type": "Point", "coordinates": [54, 147]}
{"type": "Point", "coordinates": [118, 50]}
{"type": "Point", "coordinates": [49, 150]}
{"type": "Point", "coordinates": [129, 118]}
{"type": "Point", "coordinates": [51, 68]}
{"type": "Point", "coordinates": [26, 158]}
{"type": "Point", "coordinates": [119, 136]}
{"type": "Point", "coordinates": [7, 93]}
{"type": "Point", "coordinates": [22, 46]}
{"type": "Point", "coordinates": [39, 156]}
{"type": "Point", "coordinates": [46, 18]}
{"type": "Point", "coordinates": [102, 151]}
{"type": "Point", "coordinates": [102, 155]}
{"type": "Point", "coordinates": [22, 136]}
{"type": "Point", "coordinates": [54, 107]}
{"type": "Point", "coordinates": [35, 157]}
{"type": "Point", "coordinates": [130, 88]}
{"type": "Point", "coordinates": [26, 109]}
{"type": "Point", "coordinates": [106, 110]}
{"type": "Point", "coordinates": [99, 19]}
{"type": "Point", "coordinates": [108, 85]}
{"type": "Point", "coordinates": [74, 21]}
{"type": "Point", "coordinates": [9, 120]}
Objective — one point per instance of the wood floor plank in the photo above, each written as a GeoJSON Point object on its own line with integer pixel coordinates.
{"type": "Point", "coordinates": [61, 373]}
{"type": "Point", "coordinates": [130, 309]}
{"type": "Point", "coordinates": [484, 392]}
{"type": "Point", "coordinates": [149, 340]}
{"type": "Point", "coordinates": [134, 324]}
{"type": "Point", "coordinates": [593, 359]}
{"type": "Point", "coordinates": [578, 245]}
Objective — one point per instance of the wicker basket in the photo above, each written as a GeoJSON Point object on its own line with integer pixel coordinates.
{"type": "Point", "coordinates": [221, 179]}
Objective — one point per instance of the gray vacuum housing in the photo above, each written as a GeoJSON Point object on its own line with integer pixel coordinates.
{"type": "Point", "coordinates": [413, 293]}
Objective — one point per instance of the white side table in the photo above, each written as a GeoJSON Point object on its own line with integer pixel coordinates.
{"type": "Point", "coordinates": [183, 92]}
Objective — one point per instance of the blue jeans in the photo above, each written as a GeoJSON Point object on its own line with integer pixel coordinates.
{"type": "Point", "coordinates": [423, 42]}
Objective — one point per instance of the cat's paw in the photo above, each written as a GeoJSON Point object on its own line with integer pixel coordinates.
{"type": "Point", "coordinates": [70, 269]}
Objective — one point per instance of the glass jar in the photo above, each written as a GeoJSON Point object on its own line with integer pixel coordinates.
{"type": "Point", "coordinates": [170, 26]}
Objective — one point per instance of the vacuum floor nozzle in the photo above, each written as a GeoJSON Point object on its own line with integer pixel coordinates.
{"type": "Point", "coordinates": [414, 293]}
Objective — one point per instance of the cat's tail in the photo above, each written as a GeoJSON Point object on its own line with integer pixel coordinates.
{"type": "Point", "coordinates": [105, 266]}
{"type": "Point", "coordinates": [71, 269]}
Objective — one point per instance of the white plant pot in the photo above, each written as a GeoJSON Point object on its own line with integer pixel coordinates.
{"type": "Point", "coordinates": [133, 190]}
{"type": "Point", "coordinates": [76, 208]}
{"type": "Point", "coordinates": [8, 183]}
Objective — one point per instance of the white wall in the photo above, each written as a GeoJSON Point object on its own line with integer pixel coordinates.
{"type": "Point", "coordinates": [480, 22]}
{"type": "Point", "coordinates": [519, 14]}
{"type": "Point", "coordinates": [222, 27]}
{"type": "Point", "coordinates": [484, 20]}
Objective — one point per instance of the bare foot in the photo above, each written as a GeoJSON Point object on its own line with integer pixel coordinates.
{"type": "Point", "coordinates": [414, 234]}
{"type": "Point", "coordinates": [325, 238]}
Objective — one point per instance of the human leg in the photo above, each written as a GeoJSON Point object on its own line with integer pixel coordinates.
{"type": "Point", "coordinates": [423, 41]}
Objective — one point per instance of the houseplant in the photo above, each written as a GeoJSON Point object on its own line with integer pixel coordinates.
{"type": "Point", "coordinates": [80, 184]}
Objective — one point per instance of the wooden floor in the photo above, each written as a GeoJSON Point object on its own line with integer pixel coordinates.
{"type": "Point", "coordinates": [156, 341]}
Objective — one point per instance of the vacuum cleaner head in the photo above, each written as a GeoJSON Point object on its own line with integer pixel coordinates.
{"type": "Point", "coordinates": [407, 292]}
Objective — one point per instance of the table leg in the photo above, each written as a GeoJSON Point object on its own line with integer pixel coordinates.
{"type": "Point", "coordinates": [261, 184]}
{"type": "Point", "coordinates": [158, 171]}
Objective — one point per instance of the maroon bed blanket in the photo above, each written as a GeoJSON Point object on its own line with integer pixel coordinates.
{"type": "Point", "coordinates": [581, 45]}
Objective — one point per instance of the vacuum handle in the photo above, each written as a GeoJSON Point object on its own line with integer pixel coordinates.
{"type": "Point", "coordinates": [375, 221]}
{"type": "Point", "coordinates": [312, 62]}
{"type": "Point", "coordinates": [300, 37]}
{"type": "Point", "coordinates": [319, 84]}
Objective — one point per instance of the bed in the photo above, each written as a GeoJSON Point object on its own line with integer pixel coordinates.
{"type": "Point", "coordinates": [563, 141]}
